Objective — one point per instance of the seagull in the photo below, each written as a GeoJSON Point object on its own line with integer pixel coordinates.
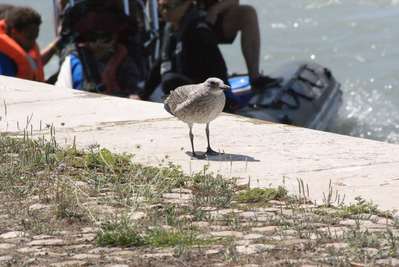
{"type": "Point", "coordinates": [198, 103]}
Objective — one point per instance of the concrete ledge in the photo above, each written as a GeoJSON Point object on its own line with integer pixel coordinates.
{"type": "Point", "coordinates": [260, 153]}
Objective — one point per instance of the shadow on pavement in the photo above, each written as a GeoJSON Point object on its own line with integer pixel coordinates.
{"type": "Point", "coordinates": [224, 157]}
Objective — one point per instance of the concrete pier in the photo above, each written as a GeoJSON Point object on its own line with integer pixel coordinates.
{"type": "Point", "coordinates": [259, 153]}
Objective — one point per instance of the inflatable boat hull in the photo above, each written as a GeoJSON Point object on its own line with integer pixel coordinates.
{"type": "Point", "coordinates": [308, 96]}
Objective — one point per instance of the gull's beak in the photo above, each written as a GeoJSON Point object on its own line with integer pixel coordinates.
{"type": "Point", "coordinates": [225, 87]}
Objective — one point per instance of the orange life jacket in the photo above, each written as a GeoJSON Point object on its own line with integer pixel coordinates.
{"type": "Point", "coordinates": [29, 64]}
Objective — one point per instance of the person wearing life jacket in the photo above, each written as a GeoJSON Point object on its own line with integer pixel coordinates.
{"type": "Point", "coordinates": [19, 53]}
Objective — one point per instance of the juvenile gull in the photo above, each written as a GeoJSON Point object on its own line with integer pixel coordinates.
{"type": "Point", "coordinates": [198, 103]}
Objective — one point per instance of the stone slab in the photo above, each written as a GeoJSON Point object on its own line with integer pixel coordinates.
{"type": "Point", "coordinates": [258, 152]}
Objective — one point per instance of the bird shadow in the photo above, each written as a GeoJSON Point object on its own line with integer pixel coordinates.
{"type": "Point", "coordinates": [224, 157]}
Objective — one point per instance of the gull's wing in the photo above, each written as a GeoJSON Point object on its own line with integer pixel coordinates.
{"type": "Point", "coordinates": [183, 97]}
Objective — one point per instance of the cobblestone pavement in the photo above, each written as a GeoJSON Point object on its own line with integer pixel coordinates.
{"type": "Point", "coordinates": [63, 207]}
{"type": "Point", "coordinates": [274, 234]}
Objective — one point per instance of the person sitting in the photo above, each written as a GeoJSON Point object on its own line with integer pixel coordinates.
{"type": "Point", "coordinates": [19, 53]}
{"type": "Point", "coordinates": [200, 55]}
{"type": "Point", "coordinates": [19, 28]}
{"type": "Point", "coordinates": [100, 62]}
{"type": "Point", "coordinates": [227, 18]}
{"type": "Point", "coordinates": [190, 52]}
{"type": "Point", "coordinates": [131, 13]}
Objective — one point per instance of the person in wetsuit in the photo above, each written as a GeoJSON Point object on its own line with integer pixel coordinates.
{"type": "Point", "coordinates": [190, 52]}
{"type": "Point", "coordinates": [227, 18]}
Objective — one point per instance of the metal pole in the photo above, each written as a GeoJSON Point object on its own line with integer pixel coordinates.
{"type": "Point", "coordinates": [126, 7]}
{"type": "Point", "coordinates": [153, 9]}
{"type": "Point", "coordinates": [56, 8]}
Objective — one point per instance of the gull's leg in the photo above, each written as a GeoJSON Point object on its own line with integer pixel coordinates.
{"type": "Point", "coordinates": [209, 150]}
{"type": "Point", "coordinates": [190, 125]}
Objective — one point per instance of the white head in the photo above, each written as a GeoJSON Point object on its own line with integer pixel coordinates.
{"type": "Point", "coordinates": [216, 85]}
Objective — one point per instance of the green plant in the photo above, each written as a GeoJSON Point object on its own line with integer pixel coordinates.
{"type": "Point", "coordinates": [262, 195]}
{"type": "Point", "coordinates": [393, 242]}
{"type": "Point", "coordinates": [357, 238]}
{"type": "Point", "coordinates": [67, 201]}
{"type": "Point", "coordinates": [333, 197]}
{"type": "Point", "coordinates": [160, 237]}
{"type": "Point", "coordinates": [119, 233]}
{"type": "Point", "coordinates": [209, 190]}
{"type": "Point", "coordinates": [104, 160]}
{"type": "Point", "coordinates": [361, 206]}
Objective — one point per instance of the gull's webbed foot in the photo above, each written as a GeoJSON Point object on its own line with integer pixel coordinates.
{"type": "Point", "coordinates": [211, 152]}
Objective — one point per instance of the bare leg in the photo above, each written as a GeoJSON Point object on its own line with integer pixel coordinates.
{"type": "Point", "coordinates": [209, 150]}
{"type": "Point", "coordinates": [192, 143]}
{"type": "Point", "coordinates": [244, 19]}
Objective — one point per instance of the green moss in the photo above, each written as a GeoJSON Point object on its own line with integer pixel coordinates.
{"type": "Point", "coordinates": [256, 195]}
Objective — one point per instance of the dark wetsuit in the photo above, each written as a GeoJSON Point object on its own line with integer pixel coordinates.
{"type": "Point", "coordinates": [192, 55]}
{"type": "Point", "coordinates": [201, 56]}
{"type": "Point", "coordinates": [218, 26]}
{"type": "Point", "coordinates": [193, 51]}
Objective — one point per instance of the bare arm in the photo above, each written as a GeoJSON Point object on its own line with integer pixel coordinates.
{"type": "Point", "coordinates": [49, 51]}
{"type": "Point", "coordinates": [224, 5]}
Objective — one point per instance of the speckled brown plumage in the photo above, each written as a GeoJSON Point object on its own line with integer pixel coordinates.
{"type": "Point", "coordinates": [197, 103]}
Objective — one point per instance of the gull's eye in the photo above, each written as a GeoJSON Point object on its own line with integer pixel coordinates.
{"type": "Point", "coordinates": [213, 83]}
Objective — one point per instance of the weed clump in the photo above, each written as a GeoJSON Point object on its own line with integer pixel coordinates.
{"type": "Point", "coordinates": [160, 237]}
{"type": "Point", "coordinates": [361, 206]}
{"type": "Point", "coordinates": [105, 160]}
{"type": "Point", "coordinates": [119, 233]}
{"type": "Point", "coordinates": [67, 199]}
{"type": "Point", "coordinates": [359, 239]}
{"type": "Point", "coordinates": [211, 191]}
{"type": "Point", "coordinates": [256, 195]}
{"type": "Point", "coordinates": [124, 233]}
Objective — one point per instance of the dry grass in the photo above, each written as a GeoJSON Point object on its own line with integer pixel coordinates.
{"type": "Point", "coordinates": [133, 205]}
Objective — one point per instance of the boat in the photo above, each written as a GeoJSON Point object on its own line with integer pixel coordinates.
{"type": "Point", "coordinates": [308, 95]}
